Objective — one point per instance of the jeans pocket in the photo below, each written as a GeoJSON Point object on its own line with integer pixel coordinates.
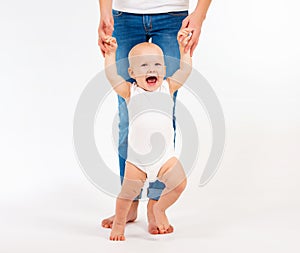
{"type": "Point", "coordinates": [178, 13]}
{"type": "Point", "coordinates": [116, 13]}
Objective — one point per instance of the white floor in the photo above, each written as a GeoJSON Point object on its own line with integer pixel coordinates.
{"type": "Point", "coordinates": [252, 205]}
{"type": "Point", "coordinates": [67, 220]}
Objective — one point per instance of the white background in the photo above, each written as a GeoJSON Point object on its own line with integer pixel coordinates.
{"type": "Point", "coordinates": [249, 52]}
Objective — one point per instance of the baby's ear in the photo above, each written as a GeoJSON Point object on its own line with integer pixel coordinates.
{"type": "Point", "coordinates": [131, 73]}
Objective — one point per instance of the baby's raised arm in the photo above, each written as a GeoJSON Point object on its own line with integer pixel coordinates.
{"type": "Point", "coordinates": [180, 76]}
{"type": "Point", "coordinates": [117, 82]}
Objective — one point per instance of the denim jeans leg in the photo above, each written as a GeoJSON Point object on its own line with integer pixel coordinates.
{"type": "Point", "coordinates": [123, 133]}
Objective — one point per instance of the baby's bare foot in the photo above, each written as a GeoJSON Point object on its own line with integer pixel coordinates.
{"type": "Point", "coordinates": [161, 220]}
{"type": "Point", "coordinates": [117, 232]}
{"type": "Point", "coordinates": [132, 215]}
{"type": "Point", "coordinates": [152, 228]}
{"type": "Point", "coordinates": [152, 223]}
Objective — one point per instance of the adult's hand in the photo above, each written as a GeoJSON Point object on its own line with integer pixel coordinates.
{"type": "Point", "coordinates": [194, 22]}
{"type": "Point", "coordinates": [105, 29]}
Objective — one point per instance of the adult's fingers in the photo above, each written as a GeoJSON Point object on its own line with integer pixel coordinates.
{"type": "Point", "coordinates": [109, 30]}
{"type": "Point", "coordinates": [102, 46]}
{"type": "Point", "coordinates": [185, 22]}
{"type": "Point", "coordinates": [193, 47]}
{"type": "Point", "coordinates": [194, 40]}
{"type": "Point", "coordinates": [189, 45]}
{"type": "Point", "coordinates": [101, 41]}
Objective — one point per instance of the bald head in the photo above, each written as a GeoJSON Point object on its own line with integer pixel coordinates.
{"type": "Point", "coordinates": [145, 48]}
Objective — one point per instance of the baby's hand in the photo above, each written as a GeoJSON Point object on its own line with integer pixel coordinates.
{"type": "Point", "coordinates": [183, 37]}
{"type": "Point", "coordinates": [110, 44]}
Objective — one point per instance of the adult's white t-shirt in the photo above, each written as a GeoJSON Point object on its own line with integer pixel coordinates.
{"type": "Point", "coordinates": [150, 6]}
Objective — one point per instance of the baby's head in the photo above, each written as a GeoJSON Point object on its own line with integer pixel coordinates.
{"type": "Point", "coordinates": [147, 66]}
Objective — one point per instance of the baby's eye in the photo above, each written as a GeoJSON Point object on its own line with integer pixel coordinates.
{"type": "Point", "coordinates": [157, 64]}
{"type": "Point", "coordinates": [144, 65]}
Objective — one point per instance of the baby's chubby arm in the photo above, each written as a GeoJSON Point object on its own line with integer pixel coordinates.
{"type": "Point", "coordinates": [117, 82]}
{"type": "Point", "coordinates": [181, 75]}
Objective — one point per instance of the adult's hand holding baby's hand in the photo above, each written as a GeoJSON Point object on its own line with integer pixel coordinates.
{"type": "Point", "coordinates": [105, 29]}
{"type": "Point", "coordinates": [183, 37]}
{"type": "Point", "coordinates": [111, 44]}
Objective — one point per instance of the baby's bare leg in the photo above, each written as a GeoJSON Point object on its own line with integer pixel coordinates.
{"type": "Point", "coordinates": [118, 227]}
{"type": "Point", "coordinates": [173, 176]}
{"type": "Point", "coordinates": [131, 187]}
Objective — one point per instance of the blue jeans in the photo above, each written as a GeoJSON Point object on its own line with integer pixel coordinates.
{"type": "Point", "coordinates": [129, 30]}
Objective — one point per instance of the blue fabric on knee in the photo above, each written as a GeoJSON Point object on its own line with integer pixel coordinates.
{"type": "Point", "coordinates": [155, 189]}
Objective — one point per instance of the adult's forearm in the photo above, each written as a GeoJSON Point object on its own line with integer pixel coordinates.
{"type": "Point", "coordinates": [202, 8]}
{"type": "Point", "coordinates": [105, 7]}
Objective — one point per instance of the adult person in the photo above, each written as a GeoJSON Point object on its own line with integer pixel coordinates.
{"type": "Point", "coordinates": [132, 22]}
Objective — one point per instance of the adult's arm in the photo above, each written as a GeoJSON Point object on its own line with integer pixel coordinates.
{"type": "Point", "coordinates": [195, 21]}
{"type": "Point", "coordinates": [106, 25]}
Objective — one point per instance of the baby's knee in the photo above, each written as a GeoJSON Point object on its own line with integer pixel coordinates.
{"type": "Point", "coordinates": [131, 188]}
{"type": "Point", "coordinates": [181, 187]}
{"type": "Point", "coordinates": [174, 179]}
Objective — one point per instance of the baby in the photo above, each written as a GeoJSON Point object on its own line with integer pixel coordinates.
{"type": "Point", "coordinates": [146, 67]}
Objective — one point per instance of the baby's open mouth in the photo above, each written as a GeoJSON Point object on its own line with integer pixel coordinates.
{"type": "Point", "coordinates": [151, 80]}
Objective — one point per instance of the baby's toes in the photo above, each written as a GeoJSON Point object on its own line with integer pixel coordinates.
{"type": "Point", "coordinates": [117, 238]}
{"type": "Point", "coordinates": [121, 238]}
{"type": "Point", "coordinates": [161, 229]}
{"type": "Point", "coordinates": [170, 229]}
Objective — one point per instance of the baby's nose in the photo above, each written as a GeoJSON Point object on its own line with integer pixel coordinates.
{"type": "Point", "coordinates": [151, 69]}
